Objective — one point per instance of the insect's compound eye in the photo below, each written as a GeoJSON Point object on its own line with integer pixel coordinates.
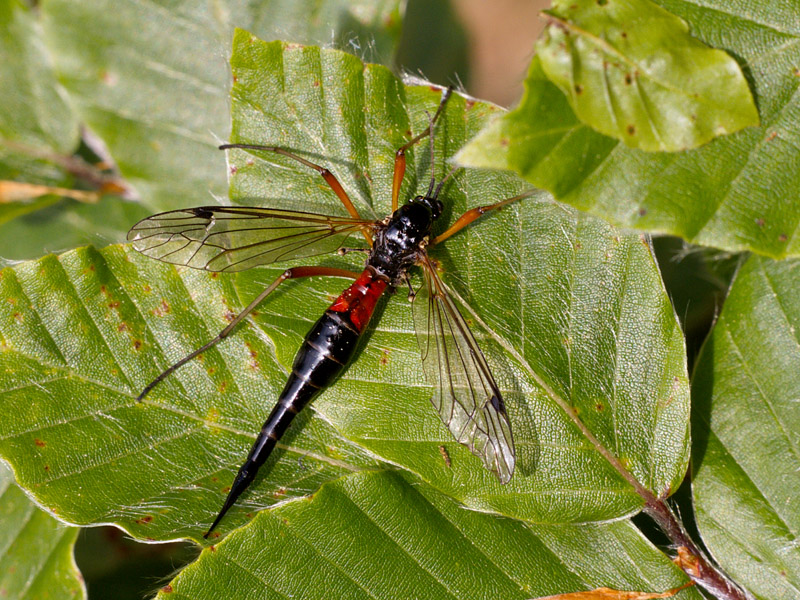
{"type": "Point", "coordinates": [437, 209]}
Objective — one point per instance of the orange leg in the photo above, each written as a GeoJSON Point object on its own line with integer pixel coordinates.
{"type": "Point", "coordinates": [474, 213]}
{"type": "Point", "coordinates": [329, 177]}
{"type": "Point", "coordinates": [293, 273]}
{"type": "Point", "coordinates": [400, 155]}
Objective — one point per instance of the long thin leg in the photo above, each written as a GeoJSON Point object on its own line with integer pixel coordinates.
{"type": "Point", "coordinates": [474, 213]}
{"type": "Point", "coordinates": [400, 155]}
{"type": "Point", "coordinates": [293, 273]}
{"type": "Point", "coordinates": [329, 177]}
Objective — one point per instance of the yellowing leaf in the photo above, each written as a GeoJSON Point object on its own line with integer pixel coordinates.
{"type": "Point", "coordinates": [631, 70]}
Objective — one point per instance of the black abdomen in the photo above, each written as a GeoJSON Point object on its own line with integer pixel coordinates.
{"type": "Point", "coordinates": [326, 350]}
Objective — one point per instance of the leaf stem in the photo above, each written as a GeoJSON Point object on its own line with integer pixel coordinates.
{"type": "Point", "coordinates": [699, 567]}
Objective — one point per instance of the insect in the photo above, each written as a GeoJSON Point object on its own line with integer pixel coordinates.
{"type": "Point", "coordinates": [233, 238]}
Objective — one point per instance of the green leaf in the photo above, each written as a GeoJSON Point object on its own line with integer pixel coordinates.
{"type": "Point", "coordinates": [152, 81]}
{"type": "Point", "coordinates": [747, 431]}
{"type": "Point", "coordinates": [36, 121]}
{"type": "Point", "coordinates": [33, 110]}
{"type": "Point", "coordinates": [737, 193]}
{"type": "Point", "coordinates": [571, 315]}
{"type": "Point", "coordinates": [54, 225]}
{"type": "Point", "coordinates": [386, 536]}
{"type": "Point", "coordinates": [631, 70]}
{"type": "Point", "coordinates": [35, 549]}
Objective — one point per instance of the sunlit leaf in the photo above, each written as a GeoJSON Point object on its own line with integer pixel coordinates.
{"type": "Point", "coordinates": [738, 192]}
{"type": "Point", "coordinates": [632, 71]}
{"type": "Point", "coordinates": [150, 81]}
{"type": "Point", "coordinates": [571, 315]}
{"type": "Point", "coordinates": [385, 536]}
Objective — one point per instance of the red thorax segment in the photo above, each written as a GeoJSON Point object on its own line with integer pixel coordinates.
{"type": "Point", "coordinates": [360, 298]}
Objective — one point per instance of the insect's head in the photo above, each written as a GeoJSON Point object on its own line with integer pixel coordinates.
{"type": "Point", "coordinates": [432, 203]}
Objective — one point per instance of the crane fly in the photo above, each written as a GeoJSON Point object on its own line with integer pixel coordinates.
{"type": "Point", "coordinates": [233, 238]}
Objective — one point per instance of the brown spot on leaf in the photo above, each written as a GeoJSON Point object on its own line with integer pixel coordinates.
{"type": "Point", "coordinates": [40, 443]}
{"type": "Point", "coordinates": [642, 212]}
{"type": "Point", "coordinates": [631, 129]}
{"type": "Point", "coordinates": [446, 456]}
{"type": "Point", "coordinates": [578, 88]}
{"type": "Point", "coordinates": [137, 344]}
{"type": "Point", "coordinates": [162, 309]}
{"type": "Point", "coordinates": [760, 222]}
{"type": "Point", "coordinates": [223, 386]}
{"type": "Point", "coordinates": [772, 136]}
{"type": "Point", "coordinates": [144, 520]}
{"type": "Point", "coordinates": [167, 589]}
{"type": "Point", "coordinates": [783, 237]}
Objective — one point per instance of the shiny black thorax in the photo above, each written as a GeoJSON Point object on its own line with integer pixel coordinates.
{"type": "Point", "coordinates": [399, 240]}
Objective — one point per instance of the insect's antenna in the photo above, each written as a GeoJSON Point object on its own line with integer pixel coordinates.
{"type": "Point", "coordinates": [445, 98]}
{"type": "Point", "coordinates": [433, 171]}
{"type": "Point", "coordinates": [443, 181]}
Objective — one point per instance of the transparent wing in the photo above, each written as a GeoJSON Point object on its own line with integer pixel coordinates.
{"type": "Point", "coordinates": [465, 393]}
{"type": "Point", "coordinates": [234, 238]}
